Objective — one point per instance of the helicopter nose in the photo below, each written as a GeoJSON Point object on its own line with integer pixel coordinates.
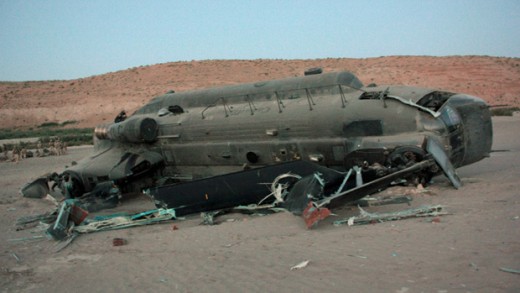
{"type": "Point", "coordinates": [477, 127]}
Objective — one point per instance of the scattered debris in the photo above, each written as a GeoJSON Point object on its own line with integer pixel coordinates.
{"type": "Point", "coordinates": [358, 256]}
{"type": "Point", "coordinates": [508, 270]}
{"type": "Point", "coordinates": [122, 222]}
{"type": "Point", "coordinates": [474, 266]}
{"type": "Point", "coordinates": [23, 269]}
{"type": "Point", "coordinates": [208, 218]}
{"type": "Point", "coordinates": [313, 214]}
{"type": "Point", "coordinates": [387, 200]}
{"type": "Point", "coordinates": [70, 214]}
{"type": "Point", "coordinates": [71, 220]}
{"type": "Point", "coordinates": [300, 265]}
{"type": "Point", "coordinates": [45, 218]}
{"type": "Point", "coordinates": [51, 199]}
{"type": "Point", "coordinates": [32, 238]}
{"type": "Point", "coordinates": [279, 190]}
{"type": "Point", "coordinates": [118, 242]}
{"type": "Point", "coordinates": [369, 218]}
{"type": "Point", "coordinates": [16, 257]}
{"type": "Point", "coordinates": [65, 242]}
{"type": "Point", "coordinates": [317, 189]}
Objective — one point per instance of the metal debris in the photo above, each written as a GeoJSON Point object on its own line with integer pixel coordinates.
{"type": "Point", "coordinates": [208, 218]}
{"type": "Point", "coordinates": [32, 238]}
{"type": "Point", "coordinates": [371, 201]}
{"type": "Point", "coordinates": [16, 257]}
{"type": "Point", "coordinates": [313, 214]}
{"type": "Point", "coordinates": [51, 199]}
{"type": "Point", "coordinates": [118, 242]}
{"type": "Point", "coordinates": [358, 256]}
{"type": "Point", "coordinates": [122, 222]}
{"type": "Point", "coordinates": [45, 218]}
{"type": "Point", "coordinates": [369, 218]}
{"type": "Point", "coordinates": [300, 265]}
{"type": "Point", "coordinates": [508, 270]}
{"type": "Point", "coordinates": [65, 242]}
{"type": "Point", "coordinates": [70, 214]}
{"type": "Point", "coordinates": [279, 190]}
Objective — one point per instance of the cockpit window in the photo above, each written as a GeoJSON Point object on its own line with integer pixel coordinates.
{"type": "Point", "coordinates": [163, 112]}
{"type": "Point", "coordinates": [451, 118]}
{"type": "Point", "coordinates": [434, 100]}
{"type": "Point", "coordinates": [371, 95]}
{"type": "Point", "coordinates": [175, 110]}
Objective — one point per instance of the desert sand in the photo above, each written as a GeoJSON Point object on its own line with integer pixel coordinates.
{"type": "Point", "coordinates": [460, 252]}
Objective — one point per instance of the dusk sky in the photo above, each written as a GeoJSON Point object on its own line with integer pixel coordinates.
{"type": "Point", "coordinates": [49, 40]}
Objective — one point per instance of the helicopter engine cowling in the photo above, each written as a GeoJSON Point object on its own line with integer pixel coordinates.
{"type": "Point", "coordinates": [142, 129]}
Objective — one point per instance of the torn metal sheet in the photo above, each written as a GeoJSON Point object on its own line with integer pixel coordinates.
{"type": "Point", "coordinates": [209, 218]}
{"type": "Point", "coordinates": [312, 188]}
{"type": "Point", "coordinates": [369, 218]}
{"type": "Point", "coordinates": [105, 195]}
{"type": "Point", "coordinates": [374, 185]}
{"type": "Point", "coordinates": [312, 214]}
{"type": "Point", "coordinates": [370, 201]}
{"type": "Point", "coordinates": [122, 222]}
{"type": "Point", "coordinates": [310, 196]}
{"type": "Point", "coordinates": [413, 104]}
{"type": "Point", "coordinates": [135, 164]}
{"type": "Point", "coordinates": [69, 215]}
{"type": "Point", "coordinates": [60, 228]}
{"type": "Point", "coordinates": [48, 217]}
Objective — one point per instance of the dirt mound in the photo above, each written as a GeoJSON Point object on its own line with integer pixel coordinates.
{"type": "Point", "coordinates": [93, 100]}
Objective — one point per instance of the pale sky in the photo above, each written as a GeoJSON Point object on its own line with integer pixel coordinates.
{"type": "Point", "coordinates": [49, 40]}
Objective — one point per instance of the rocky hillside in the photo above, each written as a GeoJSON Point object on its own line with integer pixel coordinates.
{"type": "Point", "coordinates": [93, 100]}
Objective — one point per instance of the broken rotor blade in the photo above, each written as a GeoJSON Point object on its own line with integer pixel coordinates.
{"type": "Point", "coordinates": [225, 191]}
{"type": "Point", "coordinates": [437, 152]}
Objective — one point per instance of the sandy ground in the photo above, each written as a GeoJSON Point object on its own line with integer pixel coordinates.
{"type": "Point", "coordinates": [463, 252]}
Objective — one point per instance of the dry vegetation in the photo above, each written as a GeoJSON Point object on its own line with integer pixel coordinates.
{"type": "Point", "coordinates": [97, 99]}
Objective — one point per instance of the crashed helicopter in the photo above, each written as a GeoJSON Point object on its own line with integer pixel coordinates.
{"type": "Point", "coordinates": [324, 137]}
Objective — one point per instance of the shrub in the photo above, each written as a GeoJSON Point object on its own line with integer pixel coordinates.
{"type": "Point", "coordinates": [68, 122]}
{"type": "Point", "coordinates": [73, 136]}
{"type": "Point", "coordinates": [49, 124]}
{"type": "Point", "coordinates": [507, 111]}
